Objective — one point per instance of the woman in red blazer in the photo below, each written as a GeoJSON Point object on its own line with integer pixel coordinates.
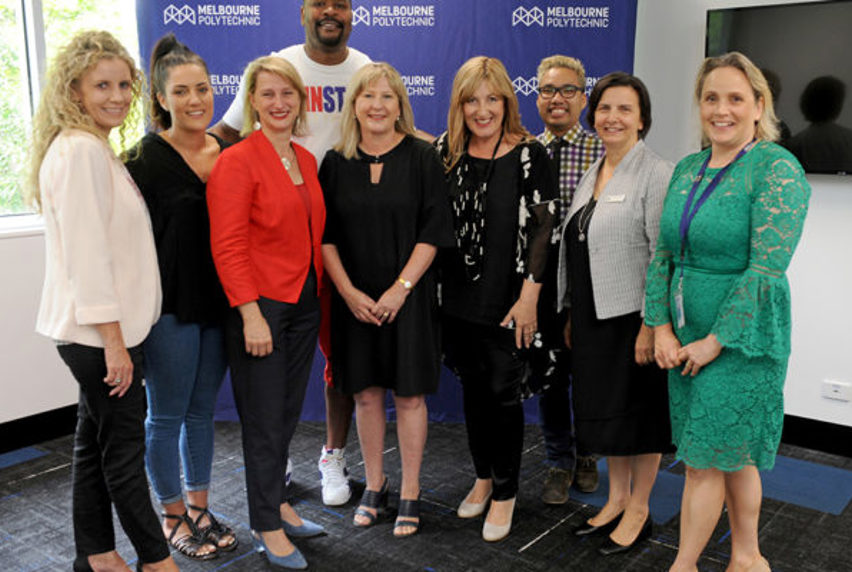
{"type": "Point", "coordinates": [266, 223]}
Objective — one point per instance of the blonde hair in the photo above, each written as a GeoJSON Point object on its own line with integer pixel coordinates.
{"type": "Point", "coordinates": [767, 126]}
{"type": "Point", "coordinates": [283, 69]}
{"type": "Point", "coordinates": [60, 108]}
{"type": "Point", "coordinates": [468, 79]}
{"type": "Point", "coordinates": [560, 61]}
{"type": "Point", "coordinates": [350, 130]}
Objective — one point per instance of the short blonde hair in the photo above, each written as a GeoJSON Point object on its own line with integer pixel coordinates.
{"type": "Point", "coordinates": [560, 61]}
{"type": "Point", "coordinates": [283, 69]}
{"type": "Point", "coordinates": [470, 76]}
{"type": "Point", "coordinates": [767, 126]}
{"type": "Point", "coordinates": [60, 108]}
{"type": "Point", "coordinates": [367, 75]}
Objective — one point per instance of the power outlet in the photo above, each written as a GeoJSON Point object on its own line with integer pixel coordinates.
{"type": "Point", "coordinates": [837, 390]}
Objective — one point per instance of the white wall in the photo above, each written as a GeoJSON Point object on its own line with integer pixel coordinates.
{"type": "Point", "coordinates": [33, 378]}
{"type": "Point", "coordinates": [669, 49]}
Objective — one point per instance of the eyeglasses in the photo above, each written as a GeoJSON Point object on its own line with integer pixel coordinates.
{"type": "Point", "coordinates": [567, 91]}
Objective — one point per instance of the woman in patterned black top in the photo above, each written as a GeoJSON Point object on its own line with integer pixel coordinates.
{"type": "Point", "coordinates": [502, 194]}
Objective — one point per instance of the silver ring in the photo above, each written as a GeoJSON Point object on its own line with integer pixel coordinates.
{"type": "Point", "coordinates": [117, 381]}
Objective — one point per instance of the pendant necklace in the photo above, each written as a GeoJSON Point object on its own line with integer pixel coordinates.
{"type": "Point", "coordinates": [586, 213]}
{"type": "Point", "coordinates": [288, 164]}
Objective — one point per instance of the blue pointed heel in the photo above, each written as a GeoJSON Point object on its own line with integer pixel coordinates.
{"type": "Point", "coordinates": [293, 561]}
{"type": "Point", "coordinates": [307, 529]}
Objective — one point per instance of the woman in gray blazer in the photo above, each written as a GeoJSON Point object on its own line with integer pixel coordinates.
{"type": "Point", "coordinates": [620, 395]}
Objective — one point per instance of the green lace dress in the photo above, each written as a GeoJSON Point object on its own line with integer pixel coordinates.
{"type": "Point", "coordinates": [734, 285]}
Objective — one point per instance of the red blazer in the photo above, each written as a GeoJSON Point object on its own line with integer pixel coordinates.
{"type": "Point", "coordinates": [259, 231]}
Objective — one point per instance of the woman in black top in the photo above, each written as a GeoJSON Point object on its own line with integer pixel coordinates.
{"type": "Point", "coordinates": [184, 353]}
{"type": "Point", "coordinates": [502, 193]}
{"type": "Point", "coordinates": [387, 215]}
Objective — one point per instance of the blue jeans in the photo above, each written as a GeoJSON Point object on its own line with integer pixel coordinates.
{"type": "Point", "coordinates": [184, 367]}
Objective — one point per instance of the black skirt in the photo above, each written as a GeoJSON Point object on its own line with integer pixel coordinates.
{"type": "Point", "coordinates": [620, 407]}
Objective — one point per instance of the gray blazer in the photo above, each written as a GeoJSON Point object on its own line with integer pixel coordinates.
{"type": "Point", "coordinates": [622, 234]}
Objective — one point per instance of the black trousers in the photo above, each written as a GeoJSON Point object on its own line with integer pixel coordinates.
{"type": "Point", "coordinates": [108, 467]}
{"type": "Point", "coordinates": [490, 369]}
{"type": "Point", "coordinates": [269, 393]}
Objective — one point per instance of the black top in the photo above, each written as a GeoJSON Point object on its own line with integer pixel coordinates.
{"type": "Point", "coordinates": [375, 228]}
{"type": "Point", "coordinates": [488, 299]}
{"type": "Point", "coordinates": [176, 200]}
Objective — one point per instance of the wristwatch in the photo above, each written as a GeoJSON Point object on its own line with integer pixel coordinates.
{"type": "Point", "coordinates": [405, 283]}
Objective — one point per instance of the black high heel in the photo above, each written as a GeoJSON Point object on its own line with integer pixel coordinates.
{"type": "Point", "coordinates": [408, 510]}
{"type": "Point", "coordinates": [610, 547]}
{"type": "Point", "coordinates": [587, 529]}
{"type": "Point", "coordinates": [377, 500]}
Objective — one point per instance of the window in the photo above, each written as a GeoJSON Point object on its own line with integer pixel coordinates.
{"type": "Point", "coordinates": [19, 56]}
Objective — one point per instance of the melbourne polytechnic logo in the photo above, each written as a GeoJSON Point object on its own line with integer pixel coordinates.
{"type": "Point", "coordinates": [528, 17]}
{"type": "Point", "coordinates": [360, 15]}
{"type": "Point", "coordinates": [525, 86]}
{"type": "Point", "coordinates": [395, 16]}
{"type": "Point", "coordinates": [563, 16]}
{"type": "Point", "coordinates": [214, 15]}
{"type": "Point", "coordinates": [178, 15]}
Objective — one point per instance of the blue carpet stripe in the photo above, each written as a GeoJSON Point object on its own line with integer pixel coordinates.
{"type": "Point", "coordinates": [20, 456]}
{"type": "Point", "coordinates": [810, 485]}
{"type": "Point", "coordinates": [801, 483]}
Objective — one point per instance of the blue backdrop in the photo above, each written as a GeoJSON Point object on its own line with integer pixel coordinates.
{"type": "Point", "coordinates": [426, 40]}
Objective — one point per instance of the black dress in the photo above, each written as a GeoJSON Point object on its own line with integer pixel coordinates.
{"type": "Point", "coordinates": [620, 407]}
{"type": "Point", "coordinates": [375, 228]}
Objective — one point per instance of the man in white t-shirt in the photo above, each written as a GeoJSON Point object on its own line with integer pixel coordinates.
{"type": "Point", "coordinates": [326, 65]}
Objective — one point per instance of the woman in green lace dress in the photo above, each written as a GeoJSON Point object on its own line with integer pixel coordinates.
{"type": "Point", "coordinates": [720, 303]}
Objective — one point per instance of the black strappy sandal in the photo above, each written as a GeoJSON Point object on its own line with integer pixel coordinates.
{"type": "Point", "coordinates": [408, 510]}
{"type": "Point", "coordinates": [375, 500]}
{"type": "Point", "coordinates": [190, 544]}
{"type": "Point", "coordinates": [215, 531]}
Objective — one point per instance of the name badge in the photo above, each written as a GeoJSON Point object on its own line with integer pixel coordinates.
{"type": "Point", "coordinates": [615, 199]}
{"type": "Point", "coordinates": [680, 316]}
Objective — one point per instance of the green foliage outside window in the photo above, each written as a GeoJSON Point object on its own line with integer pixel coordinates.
{"type": "Point", "coordinates": [62, 19]}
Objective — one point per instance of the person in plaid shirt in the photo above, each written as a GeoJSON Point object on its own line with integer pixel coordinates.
{"type": "Point", "coordinates": [561, 99]}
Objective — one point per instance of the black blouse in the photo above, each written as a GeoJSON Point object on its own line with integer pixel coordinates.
{"type": "Point", "coordinates": [176, 200]}
{"type": "Point", "coordinates": [520, 214]}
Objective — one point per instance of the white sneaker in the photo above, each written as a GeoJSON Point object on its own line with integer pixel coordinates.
{"type": "Point", "coordinates": [334, 477]}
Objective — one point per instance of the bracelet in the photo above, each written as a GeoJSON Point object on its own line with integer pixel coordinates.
{"type": "Point", "coordinates": [405, 283]}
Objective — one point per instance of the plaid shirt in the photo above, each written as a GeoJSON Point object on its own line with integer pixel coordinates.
{"type": "Point", "coordinates": [578, 151]}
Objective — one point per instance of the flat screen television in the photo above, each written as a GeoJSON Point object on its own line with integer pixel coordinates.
{"type": "Point", "coordinates": [805, 51]}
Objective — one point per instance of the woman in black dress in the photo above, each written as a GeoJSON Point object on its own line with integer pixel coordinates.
{"type": "Point", "coordinates": [502, 193]}
{"type": "Point", "coordinates": [620, 397]}
{"type": "Point", "coordinates": [387, 215]}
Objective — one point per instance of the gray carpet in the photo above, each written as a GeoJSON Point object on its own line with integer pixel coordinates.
{"type": "Point", "coordinates": [36, 532]}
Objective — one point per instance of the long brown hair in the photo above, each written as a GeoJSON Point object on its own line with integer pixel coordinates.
{"type": "Point", "coordinates": [468, 79]}
{"type": "Point", "coordinates": [168, 53]}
